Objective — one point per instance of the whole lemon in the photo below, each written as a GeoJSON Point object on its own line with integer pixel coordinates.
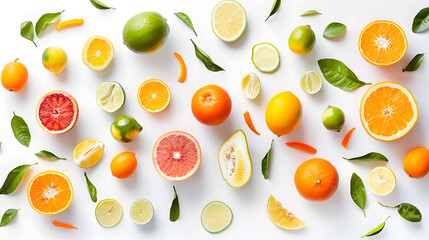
{"type": "Point", "coordinates": [302, 40]}
{"type": "Point", "coordinates": [283, 113]}
{"type": "Point", "coordinates": [54, 59]}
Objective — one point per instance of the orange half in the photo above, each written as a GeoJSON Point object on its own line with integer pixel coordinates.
{"type": "Point", "coordinates": [154, 95]}
{"type": "Point", "coordinates": [383, 43]}
{"type": "Point", "coordinates": [97, 53]}
{"type": "Point", "coordinates": [388, 111]}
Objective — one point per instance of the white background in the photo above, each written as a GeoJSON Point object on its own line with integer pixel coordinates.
{"type": "Point", "coordinates": [337, 218]}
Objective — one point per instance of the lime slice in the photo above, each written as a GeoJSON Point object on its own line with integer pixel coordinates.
{"type": "Point", "coordinates": [216, 217]}
{"type": "Point", "coordinates": [311, 82]}
{"type": "Point", "coordinates": [265, 57]}
{"type": "Point", "coordinates": [110, 96]}
{"type": "Point", "coordinates": [251, 86]}
{"type": "Point", "coordinates": [108, 212]}
{"type": "Point", "coordinates": [141, 211]}
{"type": "Point", "coordinates": [228, 20]}
{"type": "Point", "coordinates": [88, 152]}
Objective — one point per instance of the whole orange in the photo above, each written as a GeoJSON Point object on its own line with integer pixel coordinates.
{"type": "Point", "coordinates": [14, 76]}
{"type": "Point", "coordinates": [316, 179]}
{"type": "Point", "coordinates": [416, 162]}
{"type": "Point", "coordinates": [211, 105]}
{"type": "Point", "coordinates": [123, 165]}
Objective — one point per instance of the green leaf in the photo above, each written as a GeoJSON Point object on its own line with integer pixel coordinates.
{"type": "Point", "coordinates": [310, 12]}
{"type": "Point", "coordinates": [407, 211]}
{"type": "Point", "coordinates": [14, 178]}
{"type": "Point", "coordinates": [334, 29]}
{"type": "Point", "coordinates": [91, 188]}
{"type": "Point", "coordinates": [376, 230]}
{"type": "Point", "coordinates": [372, 156]}
{"type": "Point", "coordinates": [208, 62]}
{"type": "Point", "coordinates": [421, 21]}
{"type": "Point", "coordinates": [339, 75]}
{"type": "Point", "coordinates": [0, 145]}
{"type": "Point", "coordinates": [186, 20]}
{"type": "Point", "coordinates": [275, 8]}
{"type": "Point", "coordinates": [266, 162]}
{"type": "Point", "coordinates": [415, 63]}
{"type": "Point", "coordinates": [100, 5]}
{"type": "Point", "coordinates": [46, 20]}
{"type": "Point", "coordinates": [8, 216]}
{"type": "Point", "coordinates": [27, 31]}
{"type": "Point", "coordinates": [20, 130]}
{"type": "Point", "coordinates": [175, 209]}
{"type": "Point", "coordinates": [357, 192]}
{"type": "Point", "coordinates": [48, 155]}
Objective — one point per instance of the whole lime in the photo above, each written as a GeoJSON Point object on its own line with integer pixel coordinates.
{"type": "Point", "coordinates": [145, 32]}
{"type": "Point", "coordinates": [333, 119]}
{"type": "Point", "coordinates": [302, 39]}
{"type": "Point", "coordinates": [125, 128]}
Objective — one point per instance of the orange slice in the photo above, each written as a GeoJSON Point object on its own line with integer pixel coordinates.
{"type": "Point", "coordinates": [382, 43]}
{"type": "Point", "coordinates": [388, 111]}
{"type": "Point", "coordinates": [97, 53]}
{"type": "Point", "coordinates": [50, 193]}
{"type": "Point", "coordinates": [281, 217]}
{"type": "Point", "coordinates": [154, 95]}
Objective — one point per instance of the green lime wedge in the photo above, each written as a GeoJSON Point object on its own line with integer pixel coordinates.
{"type": "Point", "coordinates": [311, 82]}
{"type": "Point", "coordinates": [110, 96]}
{"type": "Point", "coordinates": [141, 211]}
{"type": "Point", "coordinates": [265, 57]}
{"type": "Point", "coordinates": [216, 217]}
{"type": "Point", "coordinates": [108, 213]}
{"type": "Point", "coordinates": [251, 86]}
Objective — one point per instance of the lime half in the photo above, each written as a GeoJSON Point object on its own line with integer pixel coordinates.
{"type": "Point", "coordinates": [251, 86]}
{"type": "Point", "coordinates": [216, 217]}
{"type": "Point", "coordinates": [265, 57]}
{"type": "Point", "coordinates": [141, 211]}
{"type": "Point", "coordinates": [110, 96]}
{"type": "Point", "coordinates": [108, 212]}
{"type": "Point", "coordinates": [228, 20]}
{"type": "Point", "coordinates": [311, 82]}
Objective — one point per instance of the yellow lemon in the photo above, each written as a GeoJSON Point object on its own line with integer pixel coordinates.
{"type": "Point", "coordinates": [54, 59]}
{"type": "Point", "coordinates": [283, 113]}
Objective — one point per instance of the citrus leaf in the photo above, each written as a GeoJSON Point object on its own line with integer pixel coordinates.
{"type": "Point", "coordinates": [310, 12]}
{"type": "Point", "coordinates": [100, 5]}
{"type": "Point", "coordinates": [46, 20]}
{"type": "Point", "coordinates": [48, 155]}
{"type": "Point", "coordinates": [91, 188]}
{"type": "Point", "coordinates": [275, 8]}
{"type": "Point", "coordinates": [20, 130]}
{"type": "Point", "coordinates": [372, 156]}
{"type": "Point", "coordinates": [357, 192]}
{"type": "Point", "coordinates": [27, 31]}
{"type": "Point", "coordinates": [376, 230]}
{"type": "Point", "coordinates": [14, 178]}
{"type": "Point", "coordinates": [186, 20]}
{"type": "Point", "coordinates": [339, 75]}
{"type": "Point", "coordinates": [266, 162]}
{"type": "Point", "coordinates": [175, 208]}
{"type": "Point", "coordinates": [415, 63]}
{"type": "Point", "coordinates": [208, 62]}
{"type": "Point", "coordinates": [421, 21]}
{"type": "Point", "coordinates": [8, 216]}
{"type": "Point", "coordinates": [407, 211]}
{"type": "Point", "coordinates": [334, 29]}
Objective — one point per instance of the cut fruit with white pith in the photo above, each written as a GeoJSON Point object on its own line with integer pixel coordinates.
{"type": "Point", "coordinates": [311, 82]}
{"type": "Point", "coordinates": [141, 211]}
{"type": "Point", "coordinates": [110, 96]}
{"type": "Point", "coordinates": [265, 57]}
{"type": "Point", "coordinates": [234, 160]}
{"type": "Point", "coordinates": [88, 152]}
{"type": "Point", "coordinates": [251, 86]}
{"type": "Point", "coordinates": [216, 217]}
{"type": "Point", "coordinates": [228, 20]}
{"type": "Point", "coordinates": [281, 217]}
{"type": "Point", "coordinates": [108, 212]}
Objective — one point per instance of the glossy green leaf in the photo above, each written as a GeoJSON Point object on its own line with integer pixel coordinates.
{"type": "Point", "coordinates": [266, 162]}
{"type": "Point", "coordinates": [48, 155]}
{"type": "Point", "coordinates": [91, 188]}
{"type": "Point", "coordinates": [407, 211]}
{"type": "Point", "coordinates": [20, 130]}
{"type": "Point", "coordinates": [274, 8]}
{"type": "Point", "coordinates": [175, 208]}
{"type": "Point", "coordinates": [334, 29]}
{"type": "Point", "coordinates": [415, 63]}
{"type": "Point", "coordinates": [27, 31]}
{"type": "Point", "coordinates": [421, 21]}
{"type": "Point", "coordinates": [376, 230]}
{"type": "Point", "coordinates": [186, 20]}
{"type": "Point", "coordinates": [310, 12]}
{"type": "Point", "coordinates": [100, 5]}
{"type": "Point", "coordinates": [372, 156]}
{"type": "Point", "coordinates": [46, 20]}
{"type": "Point", "coordinates": [357, 192]}
{"type": "Point", "coordinates": [14, 178]}
{"type": "Point", "coordinates": [8, 216]}
{"type": "Point", "coordinates": [339, 75]}
{"type": "Point", "coordinates": [208, 62]}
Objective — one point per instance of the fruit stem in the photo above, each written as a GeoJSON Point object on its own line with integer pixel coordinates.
{"type": "Point", "coordinates": [386, 206]}
{"type": "Point", "coordinates": [16, 60]}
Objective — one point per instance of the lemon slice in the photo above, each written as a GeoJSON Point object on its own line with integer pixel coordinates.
{"type": "Point", "coordinates": [311, 82]}
{"type": "Point", "coordinates": [88, 152]}
{"type": "Point", "coordinates": [216, 217]}
{"type": "Point", "coordinates": [110, 96]}
{"type": "Point", "coordinates": [381, 181]}
{"type": "Point", "coordinates": [281, 217]}
{"type": "Point", "coordinates": [141, 211]}
{"type": "Point", "coordinates": [108, 212]}
{"type": "Point", "coordinates": [265, 57]}
{"type": "Point", "coordinates": [97, 53]}
{"type": "Point", "coordinates": [228, 20]}
{"type": "Point", "coordinates": [251, 86]}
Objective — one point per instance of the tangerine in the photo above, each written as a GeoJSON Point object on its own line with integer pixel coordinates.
{"type": "Point", "coordinates": [416, 162]}
{"type": "Point", "coordinates": [123, 164]}
{"type": "Point", "coordinates": [211, 105]}
{"type": "Point", "coordinates": [14, 76]}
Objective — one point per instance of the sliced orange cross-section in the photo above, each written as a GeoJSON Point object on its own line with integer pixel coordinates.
{"type": "Point", "coordinates": [154, 95]}
{"type": "Point", "coordinates": [97, 53]}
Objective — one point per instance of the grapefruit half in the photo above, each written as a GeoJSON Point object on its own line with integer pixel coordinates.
{"type": "Point", "coordinates": [176, 155]}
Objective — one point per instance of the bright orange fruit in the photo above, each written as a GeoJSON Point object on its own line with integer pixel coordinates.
{"type": "Point", "coordinates": [211, 105]}
{"type": "Point", "coordinates": [123, 164]}
{"type": "Point", "coordinates": [416, 163]}
{"type": "Point", "coordinates": [14, 76]}
{"type": "Point", "coordinates": [154, 95]}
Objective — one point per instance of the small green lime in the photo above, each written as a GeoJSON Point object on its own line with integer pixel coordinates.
{"type": "Point", "coordinates": [333, 119]}
{"type": "Point", "coordinates": [125, 128]}
{"type": "Point", "coordinates": [302, 39]}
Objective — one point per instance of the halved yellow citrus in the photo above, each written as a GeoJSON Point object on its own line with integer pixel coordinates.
{"type": "Point", "coordinates": [154, 95]}
{"type": "Point", "coordinates": [251, 86]}
{"type": "Point", "coordinates": [88, 152]}
{"type": "Point", "coordinates": [97, 53]}
{"type": "Point", "coordinates": [381, 181]}
{"type": "Point", "coordinates": [281, 217]}
{"type": "Point", "coordinates": [228, 20]}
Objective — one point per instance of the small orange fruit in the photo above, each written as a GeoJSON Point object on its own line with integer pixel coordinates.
{"type": "Point", "coordinates": [211, 105]}
{"type": "Point", "coordinates": [416, 162]}
{"type": "Point", "coordinates": [316, 179]}
{"type": "Point", "coordinates": [123, 165]}
{"type": "Point", "coordinates": [14, 76]}
{"type": "Point", "coordinates": [154, 95]}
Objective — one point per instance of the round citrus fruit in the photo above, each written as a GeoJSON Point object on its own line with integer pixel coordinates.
{"type": "Point", "coordinates": [176, 155]}
{"type": "Point", "coordinates": [333, 119]}
{"type": "Point", "coordinates": [125, 128]}
{"type": "Point", "coordinates": [97, 53]}
{"type": "Point", "coordinates": [388, 111]}
{"type": "Point", "coordinates": [88, 152]}
{"type": "Point", "coordinates": [54, 59]}
{"type": "Point", "coordinates": [154, 95]}
{"type": "Point", "coordinates": [281, 217]}
{"type": "Point", "coordinates": [265, 57]}
{"type": "Point", "coordinates": [381, 181]}
{"type": "Point", "coordinates": [50, 192]}
{"type": "Point", "coordinates": [383, 43]}
{"type": "Point", "coordinates": [110, 96]}
{"type": "Point", "coordinates": [302, 39]}
{"type": "Point", "coordinates": [14, 76]}
{"type": "Point", "coordinates": [216, 217]}
{"type": "Point", "coordinates": [311, 82]}
{"type": "Point", "coordinates": [57, 112]}
{"type": "Point", "coordinates": [108, 212]}
{"type": "Point", "coordinates": [228, 20]}
{"type": "Point", "coordinates": [211, 105]}
{"type": "Point", "coordinates": [316, 179]}
{"type": "Point", "coordinates": [283, 113]}
{"type": "Point", "coordinates": [416, 162]}
{"type": "Point", "coordinates": [123, 164]}
{"type": "Point", "coordinates": [141, 211]}
{"type": "Point", "coordinates": [145, 32]}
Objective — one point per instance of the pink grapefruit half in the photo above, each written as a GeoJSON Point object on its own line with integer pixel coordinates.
{"type": "Point", "coordinates": [57, 112]}
{"type": "Point", "coordinates": [176, 155]}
